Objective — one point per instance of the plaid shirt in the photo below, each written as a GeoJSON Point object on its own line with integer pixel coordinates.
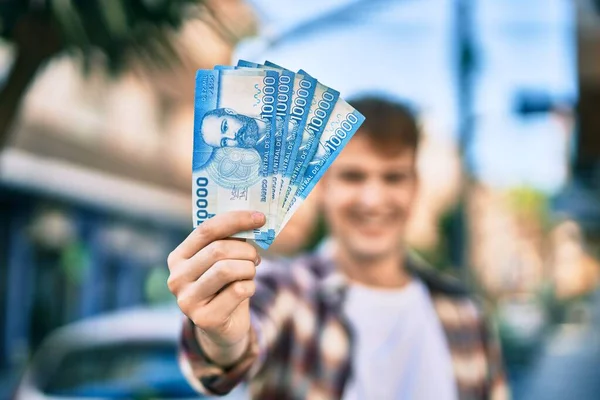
{"type": "Point", "coordinates": [300, 345]}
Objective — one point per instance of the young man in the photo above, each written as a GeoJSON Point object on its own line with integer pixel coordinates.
{"type": "Point", "coordinates": [359, 321]}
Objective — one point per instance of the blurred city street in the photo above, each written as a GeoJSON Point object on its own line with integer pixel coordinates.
{"type": "Point", "coordinates": [569, 362]}
{"type": "Point", "coordinates": [96, 127]}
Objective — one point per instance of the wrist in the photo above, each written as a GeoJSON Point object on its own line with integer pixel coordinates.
{"type": "Point", "coordinates": [224, 355]}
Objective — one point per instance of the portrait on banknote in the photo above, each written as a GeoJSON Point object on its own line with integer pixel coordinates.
{"type": "Point", "coordinates": [224, 127]}
{"type": "Point", "coordinates": [234, 142]}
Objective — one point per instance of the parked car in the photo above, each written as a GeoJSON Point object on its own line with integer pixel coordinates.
{"type": "Point", "coordinates": [128, 354]}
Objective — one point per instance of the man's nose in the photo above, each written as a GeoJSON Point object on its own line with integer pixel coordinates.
{"type": "Point", "coordinates": [373, 194]}
{"type": "Point", "coordinates": [230, 142]}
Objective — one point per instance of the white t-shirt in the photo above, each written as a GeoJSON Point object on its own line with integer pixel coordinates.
{"type": "Point", "coordinates": [400, 351]}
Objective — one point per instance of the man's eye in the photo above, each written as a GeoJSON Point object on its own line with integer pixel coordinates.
{"type": "Point", "coordinates": [396, 178]}
{"type": "Point", "coordinates": [224, 126]}
{"type": "Point", "coordinates": [224, 142]}
{"type": "Point", "coordinates": [352, 177]}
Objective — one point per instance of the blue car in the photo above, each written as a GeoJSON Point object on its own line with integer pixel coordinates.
{"type": "Point", "coordinates": [129, 354]}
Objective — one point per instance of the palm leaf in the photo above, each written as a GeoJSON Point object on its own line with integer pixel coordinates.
{"type": "Point", "coordinates": [116, 28]}
{"type": "Point", "coordinates": [119, 29]}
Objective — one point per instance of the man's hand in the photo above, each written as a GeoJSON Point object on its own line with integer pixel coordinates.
{"type": "Point", "coordinates": [212, 278]}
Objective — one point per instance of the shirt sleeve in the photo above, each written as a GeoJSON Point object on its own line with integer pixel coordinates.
{"type": "Point", "coordinates": [270, 308]}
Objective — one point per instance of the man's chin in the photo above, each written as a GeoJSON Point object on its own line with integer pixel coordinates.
{"type": "Point", "coordinates": [370, 250]}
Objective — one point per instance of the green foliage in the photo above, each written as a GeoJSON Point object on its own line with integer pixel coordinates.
{"type": "Point", "coordinates": [321, 231]}
{"type": "Point", "coordinates": [74, 262]}
{"type": "Point", "coordinates": [440, 255]}
{"type": "Point", "coordinates": [114, 27]}
{"type": "Point", "coordinates": [155, 287]}
{"type": "Point", "coordinates": [530, 202]}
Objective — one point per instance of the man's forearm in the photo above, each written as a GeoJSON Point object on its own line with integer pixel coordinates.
{"type": "Point", "coordinates": [224, 356]}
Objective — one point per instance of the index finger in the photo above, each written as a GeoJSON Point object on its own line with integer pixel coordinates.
{"type": "Point", "coordinates": [219, 227]}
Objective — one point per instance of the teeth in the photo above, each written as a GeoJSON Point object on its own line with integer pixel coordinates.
{"type": "Point", "coordinates": [372, 220]}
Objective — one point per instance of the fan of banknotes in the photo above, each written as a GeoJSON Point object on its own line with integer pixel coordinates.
{"type": "Point", "coordinates": [263, 137]}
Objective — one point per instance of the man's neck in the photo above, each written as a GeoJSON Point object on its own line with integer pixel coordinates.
{"type": "Point", "coordinates": [383, 272]}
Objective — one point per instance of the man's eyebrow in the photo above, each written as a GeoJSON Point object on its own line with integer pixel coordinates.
{"type": "Point", "coordinates": [348, 169]}
{"type": "Point", "coordinates": [403, 168]}
{"type": "Point", "coordinates": [357, 170]}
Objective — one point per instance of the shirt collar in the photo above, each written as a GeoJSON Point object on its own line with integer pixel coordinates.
{"type": "Point", "coordinates": [333, 283]}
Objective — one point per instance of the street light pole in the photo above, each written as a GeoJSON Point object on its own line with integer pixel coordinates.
{"type": "Point", "coordinates": [465, 72]}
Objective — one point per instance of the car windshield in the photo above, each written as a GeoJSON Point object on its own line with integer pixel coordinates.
{"type": "Point", "coordinates": [127, 370]}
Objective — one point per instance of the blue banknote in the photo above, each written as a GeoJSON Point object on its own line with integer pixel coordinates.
{"type": "Point", "coordinates": [341, 126]}
{"type": "Point", "coordinates": [302, 97]}
{"type": "Point", "coordinates": [234, 124]}
{"type": "Point", "coordinates": [273, 150]}
{"type": "Point", "coordinates": [320, 110]}
{"type": "Point", "coordinates": [263, 137]}
{"type": "Point", "coordinates": [285, 89]}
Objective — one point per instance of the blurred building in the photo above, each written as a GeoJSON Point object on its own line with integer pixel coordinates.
{"type": "Point", "coordinates": [508, 254]}
{"type": "Point", "coordinates": [95, 183]}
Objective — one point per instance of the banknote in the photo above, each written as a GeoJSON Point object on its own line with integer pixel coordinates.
{"type": "Point", "coordinates": [320, 110]}
{"type": "Point", "coordinates": [234, 124]}
{"type": "Point", "coordinates": [341, 126]}
{"type": "Point", "coordinates": [263, 137]}
{"type": "Point", "coordinates": [302, 96]}
{"type": "Point", "coordinates": [303, 90]}
{"type": "Point", "coordinates": [273, 211]}
{"type": "Point", "coordinates": [285, 89]}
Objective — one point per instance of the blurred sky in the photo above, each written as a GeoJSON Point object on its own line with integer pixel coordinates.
{"type": "Point", "coordinates": [525, 47]}
{"type": "Point", "coordinates": [396, 47]}
{"type": "Point", "coordinates": [407, 49]}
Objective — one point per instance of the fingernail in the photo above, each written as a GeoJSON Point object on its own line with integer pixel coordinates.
{"type": "Point", "coordinates": [257, 261]}
{"type": "Point", "coordinates": [258, 218]}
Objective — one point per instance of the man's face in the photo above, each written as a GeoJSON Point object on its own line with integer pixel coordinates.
{"type": "Point", "coordinates": [224, 131]}
{"type": "Point", "coordinates": [367, 199]}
